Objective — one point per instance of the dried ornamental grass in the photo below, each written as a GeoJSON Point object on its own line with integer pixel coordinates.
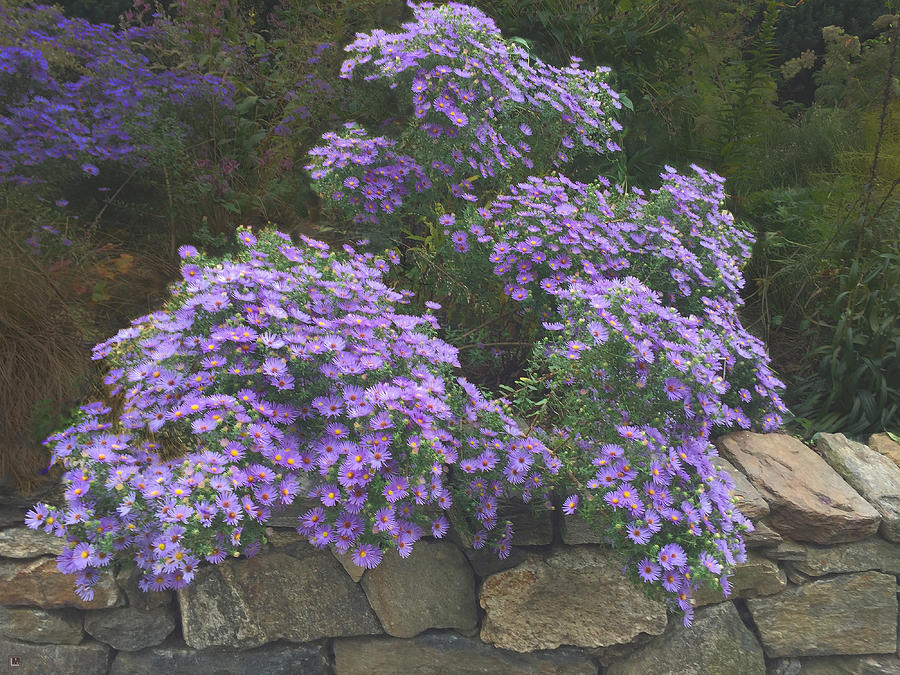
{"type": "Point", "coordinates": [42, 364]}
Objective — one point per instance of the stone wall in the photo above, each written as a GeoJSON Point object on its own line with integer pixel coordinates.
{"type": "Point", "coordinates": [818, 594]}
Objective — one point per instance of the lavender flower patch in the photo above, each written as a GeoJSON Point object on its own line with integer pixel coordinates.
{"type": "Point", "coordinates": [482, 113]}
{"type": "Point", "coordinates": [75, 94]}
{"type": "Point", "coordinates": [287, 366]}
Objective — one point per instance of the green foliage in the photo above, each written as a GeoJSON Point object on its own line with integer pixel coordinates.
{"type": "Point", "coordinates": [856, 387]}
{"type": "Point", "coordinates": [800, 28]}
{"type": "Point", "coordinates": [283, 65]}
{"type": "Point", "coordinates": [827, 267]}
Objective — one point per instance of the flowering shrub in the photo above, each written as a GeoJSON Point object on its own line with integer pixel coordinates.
{"type": "Point", "coordinates": [642, 357]}
{"type": "Point", "coordinates": [558, 241]}
{"type": "Point", "coordinates": [289, 370]}
{"type": "Point", "coordinates": [75, 93]}
{"type": "Point", "coordinates": [479, 112]}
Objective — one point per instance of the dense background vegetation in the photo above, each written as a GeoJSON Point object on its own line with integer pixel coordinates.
{"type": "Point", "coordinates": [797, 106]}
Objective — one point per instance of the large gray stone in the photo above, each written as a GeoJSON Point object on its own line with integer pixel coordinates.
{"type": "Point", "coordinates": [606, 656]}
{"type": "Point", "coordinates": [50, 491]}
{"type": "Point", "coordinates": [174, 657]}
{"type": "Point", "coordinates": [786, 550]}
{"type": "Point", "coordinates": [887, 446]}
{"type": "Point", "coordinates": [249, 602]}
{"type": "Point", "coordinates": [746, 497]}
{"type": "Point", "coordinates": [130, 628]}
{"type": "Point", "coordinates": [45, 626]}
{"type": "Point", "coordinates": [809, 501]}
{"type": "Point", "coordinates": [870, 473]}
{"type": "Point", "coordinates": [11, 516]}
{"type": "Point", "coordinates": [756, 577]}
{"type": "Point", "coordinates": [286, 540]}
{"type": "Point", "coordinates": [718, 643]}
{"type": "Point", "coordinates": [785, 666]}
{"type": "Point", "coordinates": [858, 556]}
{"type": "Point", "coordinates": [346, 560]}
{"type": "Point", "coordinates": [795, 576]}
{"type": "Point", "coordinates": [88, 658]}
{"type": "Point", "coordinates": [439, 653]}
{"type": "Point", "coordinates": [847, 614]}
{"type": "Point", "coordinates": [485, 562]}
{"type": "Point", "coordinates": [433, 588]}
{"type": "Point", "coordinates": [576, 596]}
{"type": "Point", "coordinates": [39, 583]}
{"type": "Point", "coordinates": [23, 542]}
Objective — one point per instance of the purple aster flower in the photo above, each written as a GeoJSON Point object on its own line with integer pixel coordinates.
{"type": "Point", "coordinates": [460, 241]}
{"type": "Point", "coordinates": [82, 556]}
{"type": "Point", "coordinates": [217, 555]}
{"type": "Point", "coordinates": [638, 534]}
{"type": "Point", "coordinates": [439, 527]}
{"type": "Point", "coordinates": [570, 505]}
{"type": "Point", "coordinates": [615, 499]}
{"type": "Point", "coordinates": [726, 585]}
{"type": "Point", "coordinates": [311, 520]}
{"type": "Point", "coordinates": [322, 537]}
{"type": "Point", "coordinates": [648, 570]}
{"type": "Point", "coordinates": [37, 516]}
{"type": "Point", "coordinates": [710, 563]}
{"type": "Point", "coordinates": [385, 521]}
{"type": "Point", "coordinates": [349, 524]}
{"type": "Point", "coordinates": [366, 556]}
{"type": "Point", "coordinates": [329, 495]}
{"type": "Point", "coordinates": [396, 489]}
{"type": "Point", "coordinates": [671, 581]}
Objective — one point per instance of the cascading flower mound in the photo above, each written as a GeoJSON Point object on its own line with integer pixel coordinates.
{"type": "Point", "coordinates": [480, 113]}
{"type": "Point", "coordinates": [289, 372]}
{"type": "Point", "coordinates": [641, 357]}
{"type": "Point", "coordinates": [285, 371]}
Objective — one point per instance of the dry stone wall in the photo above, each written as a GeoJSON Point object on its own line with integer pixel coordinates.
{"type": "Point", "coordinates": [817, 594]}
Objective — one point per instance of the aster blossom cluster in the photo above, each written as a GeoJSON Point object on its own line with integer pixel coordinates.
{"type": "Point", "coordinates": [50, 116]}
{"type": "Point", "coordinates": [286, 372]}
{"type": "Point", "coordinates": [480, 111]}
{"type": "Point", "coordinates": [553, 239]}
